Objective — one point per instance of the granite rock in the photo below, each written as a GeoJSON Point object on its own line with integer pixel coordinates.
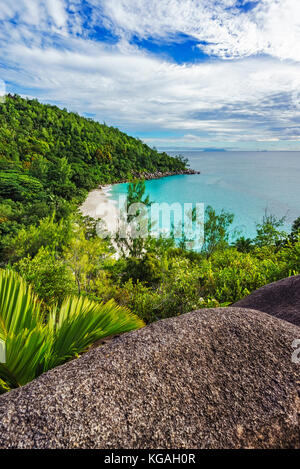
{"type": "Point", "coordinates": [280, 299]}
{"type": "Point", "coordinates": [214, 378]}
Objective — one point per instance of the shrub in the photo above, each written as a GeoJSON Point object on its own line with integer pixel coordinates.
{"type": "Point", "coordinates": [50, 278]}
{"type": "Point", "coordinates": [230, 275]}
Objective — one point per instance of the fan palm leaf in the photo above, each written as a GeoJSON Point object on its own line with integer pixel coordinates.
{"type": "Point", "coordinates": [19, 308]}
{"type": "Point", "coordinates": [35, 344]}
{"type": "Point", "coordinates": [80, 322]}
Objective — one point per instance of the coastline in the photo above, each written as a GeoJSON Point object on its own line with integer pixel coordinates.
{"type": "Point", "coordinates": [99, 205]}
{"type": "Point", "coordinates": [158, 175]}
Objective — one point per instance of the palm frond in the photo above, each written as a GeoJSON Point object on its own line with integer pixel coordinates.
{"type": "Point", "coordinates": [35, 344]}
{"type": "Point", "coordinates": [19, 308]}
{"type": "Point", "coordinates": [80, 322]}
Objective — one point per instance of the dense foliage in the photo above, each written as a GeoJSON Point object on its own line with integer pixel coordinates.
{"type": "Point", "coordinates": [161, 279]}
{"type": "Point", "coordinates": [50, 158]}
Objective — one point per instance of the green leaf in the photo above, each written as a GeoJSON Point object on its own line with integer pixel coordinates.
{"type": "Point", "coordinates": [34, 345]}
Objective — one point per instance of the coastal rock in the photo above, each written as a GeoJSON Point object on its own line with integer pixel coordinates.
{"type": "Point", "coordinates": [161, 174]}
{"type": "Point", "coordinates": [280, 299]}
{"type": "Point", "coordinates": [215, 378]}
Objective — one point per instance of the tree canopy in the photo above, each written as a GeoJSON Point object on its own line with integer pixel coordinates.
{"type": "Point", "coordinates": [50, 158]}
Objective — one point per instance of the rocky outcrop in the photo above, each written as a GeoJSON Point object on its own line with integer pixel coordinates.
{"type": "Point", "coordinates": [280, 299]}
{"type": "Point", "coordinates": [217, 378]}
{"type": "Point", "coordinates": [160, 174]}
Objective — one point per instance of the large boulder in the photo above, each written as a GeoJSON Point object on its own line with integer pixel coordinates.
{"type": "Point", "coordinates": [215, 378]}
{"type": "Point", "coordinates": [280, 299]}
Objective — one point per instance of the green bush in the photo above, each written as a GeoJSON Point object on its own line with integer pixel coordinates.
{"type": "Point", "coordinates": [51, 279]}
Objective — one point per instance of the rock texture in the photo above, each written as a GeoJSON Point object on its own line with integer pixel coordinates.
{"type": "Point", "coordinates": [218, 378]}
{"type": "Point", "coordinates": [280, 299]}
{"type": "Point", "coordinates": [160, 174]}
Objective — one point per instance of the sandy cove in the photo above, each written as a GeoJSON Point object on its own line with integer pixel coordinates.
{"type": "Point", "coordinates": [98, 205]}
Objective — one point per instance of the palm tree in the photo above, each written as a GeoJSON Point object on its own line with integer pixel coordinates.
{"type": "Point", "coordinates": [35, 344]}
{"type": "Point", "coordinates": [243, 244]}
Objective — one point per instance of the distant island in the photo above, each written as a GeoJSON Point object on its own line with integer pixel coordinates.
{"type": "Point", "coordinates": [175, 149]}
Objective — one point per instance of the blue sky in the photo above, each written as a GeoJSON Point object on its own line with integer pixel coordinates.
{"type": "Point", "coordinates": [175, 73]}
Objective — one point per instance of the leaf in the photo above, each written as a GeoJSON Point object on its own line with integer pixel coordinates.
{"type": "Point", "coordinates": [34, 346]}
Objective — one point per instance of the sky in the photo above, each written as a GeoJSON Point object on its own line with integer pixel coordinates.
{"type": "Point", "coordinates": [191, 74]}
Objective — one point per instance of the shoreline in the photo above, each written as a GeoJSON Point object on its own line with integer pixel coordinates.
{"type": "Point", "coordinates": [158, 175]}
{"type": "Point", "coordinates": [99, 205]}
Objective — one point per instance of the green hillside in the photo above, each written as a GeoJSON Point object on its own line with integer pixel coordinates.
{"type": "Point", "coordinates": [41, 140]}
{"type": "Point", "coordinates": [50, 158]}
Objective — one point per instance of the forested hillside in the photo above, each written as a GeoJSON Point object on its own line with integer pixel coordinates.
{"type": "Point", "coordinates": [50, 158]}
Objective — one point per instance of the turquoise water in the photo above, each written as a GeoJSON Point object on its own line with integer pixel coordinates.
{"type": "Point", "coordinates": [243, 183]}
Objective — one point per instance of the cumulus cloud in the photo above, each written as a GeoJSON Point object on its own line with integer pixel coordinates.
{"type": "Point", "coordinates": [51, 55]}
{"type": "Point", "coordinates": [222, 27]}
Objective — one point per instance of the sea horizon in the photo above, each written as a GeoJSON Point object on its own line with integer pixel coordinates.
{"type": "Point", "coordinates": [248, 186]}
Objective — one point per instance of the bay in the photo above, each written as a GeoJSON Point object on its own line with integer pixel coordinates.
{"type": "Point", "coordinates": [243, 183]}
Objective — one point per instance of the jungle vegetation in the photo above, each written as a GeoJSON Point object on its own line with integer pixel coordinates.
{"type": "Point", "coordinates": [68, 279]}
{"type": "Point", "coordinates": [50, 159]}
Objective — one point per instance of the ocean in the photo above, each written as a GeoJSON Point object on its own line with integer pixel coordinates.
{"type": "Point", "coordinates": [243, 183]}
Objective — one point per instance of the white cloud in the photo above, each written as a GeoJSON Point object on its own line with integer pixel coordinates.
{"type": "Point", "coordinates": [251, 98]}
{"type": "Point", "coordinates": [272, 27]}
{"type": "Point", "coordinates": [57, 11]}
{"type": "Point", "coordinates": [30, 11]}
{"type": "Point", "coordinates": [135, 90]}
{"type": "Point", "coordinates": [38, 13]}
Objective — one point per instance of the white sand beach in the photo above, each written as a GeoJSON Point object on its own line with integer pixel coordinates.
{"type": "Point", "coordinates": [98, 205]}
